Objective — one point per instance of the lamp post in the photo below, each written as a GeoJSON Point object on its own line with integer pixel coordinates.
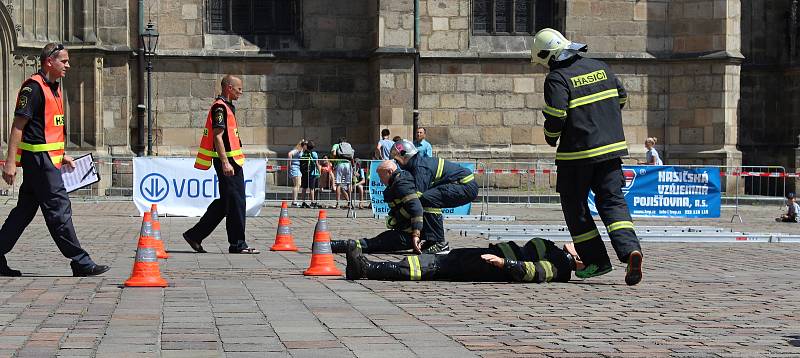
{"type": "Point", "coordinates": [150, 41]}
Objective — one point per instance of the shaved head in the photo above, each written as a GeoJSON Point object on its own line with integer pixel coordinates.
{"type": "Point", "coordinates": [385, 170]}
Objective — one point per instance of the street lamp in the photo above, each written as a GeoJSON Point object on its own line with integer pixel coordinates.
{"type": "Point", "coordinates": [150, 41]}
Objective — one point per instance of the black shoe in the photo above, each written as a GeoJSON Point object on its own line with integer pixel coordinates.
{"type": "Point", "coordinates": [7, 271]}
{"type": "Point", "coordinates": [339, 246]}
{"type": "Point", "coordinates": [438, 248]}
{"type": "Point", "coordinates": [304, 205]}
{"type": "Point", "coordinates": [194, 244]}
{"type": "Point", "coordinates": [91, 271]}
{"type": "Point", "coordinates": [355, 261]}
{"type": "Point", "coordinates": [633, 274]}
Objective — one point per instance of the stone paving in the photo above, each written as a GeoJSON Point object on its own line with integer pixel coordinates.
{"type": "Point", "coordinates": [697, 300]}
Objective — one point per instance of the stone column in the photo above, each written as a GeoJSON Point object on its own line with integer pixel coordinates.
{"type": "Point", "coordinates": [392, 65]}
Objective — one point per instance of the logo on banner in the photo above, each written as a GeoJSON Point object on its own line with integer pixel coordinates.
{"type": "Point", "coordinates": [630, 177]}
{"type": "Point", "coordinates": [154, 187]}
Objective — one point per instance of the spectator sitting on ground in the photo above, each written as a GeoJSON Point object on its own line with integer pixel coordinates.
{"type": "Point", "coordinates": [792, 211]}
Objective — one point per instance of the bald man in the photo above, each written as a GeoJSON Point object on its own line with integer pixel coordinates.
{"type": "Point", "coordinates": [405, 215]}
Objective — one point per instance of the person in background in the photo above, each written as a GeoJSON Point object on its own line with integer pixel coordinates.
{"type": "Point", "coordinates": [791, 212]}
{"type": "Point", "coordinates": [384, 146]}
{"type": "Point", "coordinates": [344, 180]}
{"type": "Point", "coordinates": [326, 182]}
{"type": "Point", "coordinates": [359, 180]}
{"type": "Point", "coordinates": [651, 156]}
{"type": "Point", "coordinates": [294, 169]}
{"type": "Point", "coordinates": [309, 168]}
{"type": "Point", "coordinates": [423, 146]}
{"type": "Point", "coordinates": [397, 138]}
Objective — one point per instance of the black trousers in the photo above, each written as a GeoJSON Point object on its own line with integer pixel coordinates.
{"type": "Point", "coordinates": [606, 180]}
{"type": "Point", "coordinates": [231, 205]}
{"type": "Point", "coordinates": [458, 265]}
{"type": "Point", "coordinates": [387, 241]}
{"type": "Point", "coordinates": [42, 187]}
{"type": "Point", "coordinates": [449, 195]}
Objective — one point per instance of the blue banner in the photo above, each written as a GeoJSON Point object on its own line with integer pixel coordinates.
{"type": "Point", "coordinates": [376, 188]}
{"type": "Point", "coordinates": [670, 191]}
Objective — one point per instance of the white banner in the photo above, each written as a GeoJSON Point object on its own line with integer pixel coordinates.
{"type": "Point", "coordinates": [180, 189]}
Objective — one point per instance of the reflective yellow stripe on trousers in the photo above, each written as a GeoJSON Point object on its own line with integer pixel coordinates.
{"type": "Point", "coordinates": [585, 236]}
{"type": "Point", "coordinates": [620, 225]}
{"type": "Point", "coordinates": [415, 271]}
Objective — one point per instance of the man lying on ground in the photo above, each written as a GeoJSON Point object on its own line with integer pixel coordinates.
{"type": "Point", "coordinates": [539, 260]}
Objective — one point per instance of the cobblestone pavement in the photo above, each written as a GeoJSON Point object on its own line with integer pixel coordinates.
{"type": "Point", "coordinates": [735, 300]}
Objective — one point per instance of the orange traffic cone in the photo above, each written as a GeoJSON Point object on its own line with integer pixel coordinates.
{"type": "Point", "coordinates": [145, 269]}
{"type": "Point", "coordinates": [321, 254]}
{"type": "Point", "coordinates": [154, 212]}
{"type": "Point", "coordinates": [283, 238]}
{"type": "Point", "coordinates": [161, 253]}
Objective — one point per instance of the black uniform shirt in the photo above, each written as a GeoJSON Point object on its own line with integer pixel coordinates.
{"type": "Point", "coordinates": [583, 99]}
{"type": "Point", "coordinates": [219, 119]}
{"type": "Point", "coordinates": [401, 196]}
{"type": "Point", "coordinates": [425, 169]}
{"type": "Point", "coordinates": [30, 105]}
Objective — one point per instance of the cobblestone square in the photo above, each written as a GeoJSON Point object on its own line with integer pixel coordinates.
{"type": "Point", "coordinates": [696, 300]}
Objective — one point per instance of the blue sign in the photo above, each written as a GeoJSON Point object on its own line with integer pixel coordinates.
{"type": "Point", "coordinates": [376, 188]}
{"type": "Point", "coordinates": [154, 187]}
{"type": "Point", "coordinates": [669, 191]}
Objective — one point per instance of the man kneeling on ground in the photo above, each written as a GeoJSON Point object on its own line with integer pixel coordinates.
{"type": "Point", "coordinates": [405, 215]}
{"type": "Point", "coordinates": [537, 261]}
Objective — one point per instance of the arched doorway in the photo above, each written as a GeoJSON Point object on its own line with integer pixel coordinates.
{"type": "Point", "coordinates": [7, 44]}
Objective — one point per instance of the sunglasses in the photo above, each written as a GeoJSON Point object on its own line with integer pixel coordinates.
{"type": "Point", "coordinates": [55, 50]}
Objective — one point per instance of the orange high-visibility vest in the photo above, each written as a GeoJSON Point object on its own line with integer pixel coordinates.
{"type": "Point", "coordinates": [206, 150]}
{"type": "Point", "coordinates": [53, 126]}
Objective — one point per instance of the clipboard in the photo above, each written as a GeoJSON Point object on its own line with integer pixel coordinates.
{"type": "Point", "coordinates": [84, 174]}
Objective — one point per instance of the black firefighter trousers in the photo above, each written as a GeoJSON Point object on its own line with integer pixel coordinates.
{"type": "Point", "coordinates": [606, 180]}
{"type": "Point", "coordinates": [448, 195]}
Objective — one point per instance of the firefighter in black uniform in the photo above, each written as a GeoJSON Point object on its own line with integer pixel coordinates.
{"type": "Point", "coordinates": [405, 215]}
{"type": "Point", "coordinates": [441, 184]}
{"type": "Point", "coordinates": [537, 261]}
{"type": "Point", "coordinates": [36, 143]}
{"type": "Point", "coordinates": [220, 145]}
{"type": "Point", "coordinates": [583, 103]}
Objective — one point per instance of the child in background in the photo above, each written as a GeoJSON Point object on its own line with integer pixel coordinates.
{"type": "Point", "coordinates": [791, 212]}
{"type": "Point", "coordinates": [359, 180]}
{"type": "Point", "coordinates": [651, 155]}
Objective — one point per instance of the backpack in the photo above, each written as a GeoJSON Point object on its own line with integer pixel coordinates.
{"type": "Point", "coordinates": [345, 151]}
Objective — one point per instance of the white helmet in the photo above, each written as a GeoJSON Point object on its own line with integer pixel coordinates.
{"type": "Point", "coordinates": [403, 148]}
{"type": "Point", "coordinates": [549, 44]}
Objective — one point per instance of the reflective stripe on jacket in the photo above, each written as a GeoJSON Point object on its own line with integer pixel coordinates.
{"type": "Point", "coordinates": [583, 101]}
{"type": "Point", "coordinates": [206, 151]}
{"type": "Point", "coordinates": [53, 126]}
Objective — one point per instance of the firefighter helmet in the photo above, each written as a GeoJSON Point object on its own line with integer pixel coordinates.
{"type": "Point", "coordinates": [403, 148]}
{"type": "Point", "coordinates": [551, 45]}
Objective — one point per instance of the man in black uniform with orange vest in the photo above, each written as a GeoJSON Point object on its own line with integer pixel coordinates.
{"type": "Point", "coordinates": [36, 143]}
{"type": "Point", "coordinates": [583, 103]}
{"type": "Point", "coordinates": [220, 145]}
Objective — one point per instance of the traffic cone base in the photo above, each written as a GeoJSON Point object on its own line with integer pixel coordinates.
{"type": "Point", "coordinates": [283, 238]}
{"type": "Point", "coordinates": [321, 255]}
{"type": "Point", "coordinates": [161, 253]}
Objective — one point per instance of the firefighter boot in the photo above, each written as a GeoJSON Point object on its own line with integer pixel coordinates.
{"type": "Point", "coordinates": [633, 274]}
{"type": "Point", "coordinates": [7, 271]}
{"type": "Point", "coordinates": [339, 246]}
{"type": "Point", "coordinates": [355, 260]}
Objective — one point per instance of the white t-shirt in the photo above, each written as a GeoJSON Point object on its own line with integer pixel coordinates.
{"type": "Point", "coordinates": [651, 154]}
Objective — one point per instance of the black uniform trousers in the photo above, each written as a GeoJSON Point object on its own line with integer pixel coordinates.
{"type": "Point", "coordinates": [463, 264]}
{"type": "Point", "coordinates": [42, 187]}
{"type": "Point", "coordinates": [606, 180]}
{"type": "Point", "coordinates": [448, 195]}
{"type": "Point", "coordinates": [230, 205]}
{"type": "Point", "coordinates": [386, 242]}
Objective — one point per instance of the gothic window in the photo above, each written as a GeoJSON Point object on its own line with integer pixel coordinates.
{"type": "Point", "coordinates": [511, 17]}
{"type": "Point", "coordinates": [245, 17]}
